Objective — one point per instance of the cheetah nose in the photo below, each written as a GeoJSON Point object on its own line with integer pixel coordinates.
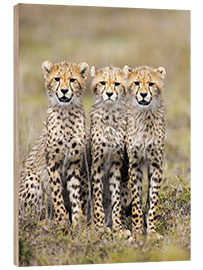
{"type": "Point", "coordinates": [64, 91]}
{"type": "Point", "coordinates": [143, 94]}
{"type": "Point", "coordinates": [109, 94]}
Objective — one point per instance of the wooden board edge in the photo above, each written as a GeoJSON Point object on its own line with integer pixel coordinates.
{"type": "Point", "coordinates": [16, 141]}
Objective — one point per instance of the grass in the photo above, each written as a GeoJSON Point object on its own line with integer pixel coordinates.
{"type": "Point", "coordinates": [45, 243]}
{"type": "Point", "coordinates": [103, 36]}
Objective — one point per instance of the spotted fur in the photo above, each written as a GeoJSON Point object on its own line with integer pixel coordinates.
{"type": "Point", "coordinates": [145, 139]}
{"type": "Point", "coordinates": [54, 171]}
{"type": "Point", "coordinates": [108, 129]}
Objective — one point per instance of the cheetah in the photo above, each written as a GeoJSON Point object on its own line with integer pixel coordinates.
{"type": "Point", "coordinates": [54, 171]}
{"type": "Point", "coordinates": [108, 131]}
{"type": "Point", "coordinates": [145, 140]}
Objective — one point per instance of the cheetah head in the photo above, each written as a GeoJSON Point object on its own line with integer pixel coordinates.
{"type": "Point", "coordinates": [64, 82]}
{"type": "Point", "coordinates": [108, 85]}
{"type": "Point", "coordinates": [144, 85]}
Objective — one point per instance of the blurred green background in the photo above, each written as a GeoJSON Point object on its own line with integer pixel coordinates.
{"type": "Point", "coordinates": [102, 36]}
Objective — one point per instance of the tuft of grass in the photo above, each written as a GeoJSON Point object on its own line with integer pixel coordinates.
{"type": "Point", "coordinates": [174, 207]}
{"type": "Point", "coordinates": [25, 251]}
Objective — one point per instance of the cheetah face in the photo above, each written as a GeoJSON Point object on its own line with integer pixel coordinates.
{"type": "Point", "coordinates": [108, 85]}
{"type": "Point", "coordinates": [64, 81]}
{"type": "Point", "coordinates": [144, 84]}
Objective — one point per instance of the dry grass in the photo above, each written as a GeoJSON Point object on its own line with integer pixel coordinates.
{"type": "Point", "coordinates": [103, 36]}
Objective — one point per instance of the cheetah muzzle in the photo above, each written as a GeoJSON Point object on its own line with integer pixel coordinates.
{"type": "Point", "coordinates": [143, 102]}
{"type": "Point", "coordinates": [65, 99]}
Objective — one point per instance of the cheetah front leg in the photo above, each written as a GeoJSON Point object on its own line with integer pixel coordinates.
{"type": "Point", "coordinates": [115, 190]}
{"type": "Point", "coordinates": [155, 177]}
{"type": "Point", "coordinates": [56, 191]}
{"type": "Point", "coordinates": [74, 189]}
{"type": "Point", "coordinates": [97, 173]}
{"type": "Point", "coordinates": [135, 175]}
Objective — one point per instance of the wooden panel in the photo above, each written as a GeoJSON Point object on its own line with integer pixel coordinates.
{"type": "Point", "coordinates": [16, 142]}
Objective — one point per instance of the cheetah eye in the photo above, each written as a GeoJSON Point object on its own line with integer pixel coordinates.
{"type": "Point", "coordinates": [117, 83]}
{"type": "Point", "coordinates": [137, 83]}
{"type": "Point", "coordinates": [102, 83]}
{"type": "Point", "coordinates": [151, 84]}
{"type": "Point", "coordinates": [57, 79]}
{"type": "Point", "coordinates": [72, 80]}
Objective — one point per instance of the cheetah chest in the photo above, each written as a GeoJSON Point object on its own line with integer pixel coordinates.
{"type": "Point", "coordinates": [142, 133]}
{"type": "Point", "coordinates": [65, 135]}
{"type": "Point", "coordinates": [113, 136]}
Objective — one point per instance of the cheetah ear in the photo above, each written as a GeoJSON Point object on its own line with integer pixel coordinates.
{"type": "Point", "coordinates": [84, 69]}
{"type": "Point", "coordinates": [47, 66]}
{"type": "Point", "coordinates": [93, 71]}
{"type": "Point", "coordinates": [162, 72]}
{"type": "Point", "coordinates": [126, 70]}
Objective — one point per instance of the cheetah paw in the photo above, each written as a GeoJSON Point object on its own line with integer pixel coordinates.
{"type": "Point", "coordinates": [154, 236]}
{"type": "Point", "coordinates": [123, 234]}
